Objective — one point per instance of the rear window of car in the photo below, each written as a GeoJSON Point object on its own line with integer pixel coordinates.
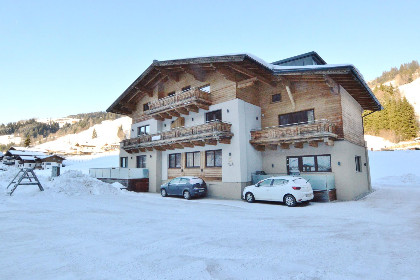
{"type": "Point", "coordinates": [300, 181]}
{"type": "Point", "coordinates": [196, 180]}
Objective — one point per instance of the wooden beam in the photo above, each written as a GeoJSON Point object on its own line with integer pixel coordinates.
{"type": "Point", "coordinates": [224, 141]}
{"type": "Point", "coordinates": [246, 83]}
{"type": "Point", "coordinates": [196, 71]}
{"type": "Point", "coordinates": [187, 144]}
{"type": "Point", "coordinates": [142, 150]}
{"type": "Point", "coordinates": [173, 113]}
{"type": "Point", "coordinates": [165, 115]}
{"type": "Point", "coordinates": [144, 90]}
{"type": "Point", "coordinates": [160, 148]}
{"type": "Point", "coordinates": [227, 73]}
{"type": "Point", "coordinates": [272, 147]}
{"type": "Point", "coordinates": [158, 117]}
{"type": "Point", "coordinates": [149, 148]}
{"type": "Point", "coordinates": [177, 146]}
{"type": "Point", "coordinates": [198, 143]}
{"type": "Point", "coordinates": [298, 145]}
{"type": "Point", "coordinates": [211, 142]}
{"type": "Point", "coordinates": [192, 108]}
{"type": "Point", "coordinates": [260, 148]}
{"type": "Point", "coordinates": [334, 87]}
{"type": "Point", "coordinates": [313, 143]}
{"type": "Point", "coordinates": [202, 106]}
{"type": "Point", "coordinates": [285, 146]}
{"type": "Point", "coordinates": [170, 74]}
{"type": "Point", "coordinates": [129, 106]}
{"type": "Point", "coordinates": [328, 142]}
{"type": "Point", "coordinates": [251, 73]}
{"type": "Point", "coordinates": [182, 110]}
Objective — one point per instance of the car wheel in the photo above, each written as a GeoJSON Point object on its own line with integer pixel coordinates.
{"type": "Point", "coordinates": [289, 200]}
{"type": "Point", "coordinates": [187, 195]}
{"type": "Point", "coordinates": [249, 197]}
{"type": "Point", "coordinates": [163, 193]}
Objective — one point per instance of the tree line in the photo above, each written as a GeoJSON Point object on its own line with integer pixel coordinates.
{"type": "Point", "coordinates": [405, 74]}
{"type": "Point", "coordinates": [397, 121]}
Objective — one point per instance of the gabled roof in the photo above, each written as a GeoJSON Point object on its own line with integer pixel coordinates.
{"type": "Point", "coordinates": [313, 55]}
{"type": "Point", "coordinates": [345, 74]}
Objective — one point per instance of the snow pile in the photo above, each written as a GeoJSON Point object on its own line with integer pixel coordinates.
{"type": "Point", "coordinates": [75, 183]}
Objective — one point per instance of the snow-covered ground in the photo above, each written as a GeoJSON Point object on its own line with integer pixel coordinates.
{"type": "Point", "coordinates": [412, 92]}
{"type": "Point", "coordinates": [377, 143]}
{"type": "Point", "coordinates": [7, 139]}
{"type": "Point", "coordinates": [80, 228]}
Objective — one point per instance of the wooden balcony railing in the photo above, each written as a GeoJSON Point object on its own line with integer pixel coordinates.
{"type": "Point", "coordinates": [296, 134]}
{"type": "Point", "coordinates": [205, 134]}
{"type": "Point", "coordinates": [179, 103]}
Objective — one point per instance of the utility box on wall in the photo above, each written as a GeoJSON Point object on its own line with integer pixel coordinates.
{"type": "Point", "coordinates": [55, 171]}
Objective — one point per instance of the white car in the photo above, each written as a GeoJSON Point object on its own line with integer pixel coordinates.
{"type": "Point", "coordinates": [288, 189]}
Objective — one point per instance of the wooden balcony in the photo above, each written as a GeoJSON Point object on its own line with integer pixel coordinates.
{"type": "Point", "coordinates": [179, 103]}
{"type": "Point", "coordinates": [296, 135]}
{"type": "Point", "coordinates": [178, 138]}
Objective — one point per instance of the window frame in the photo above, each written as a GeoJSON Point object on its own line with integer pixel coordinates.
{"type": "Point", "coordinates": [358, 163]}
{"type": "Point", "coordinates": [213, 113]}
{"type": "Point", "coordinates": [122, 161]}
{"type": "Point", "coordinates": [139, 130]}
{"type": "Point", "coordinates": [205, 86]}
{"type": "Point", "coordinates": [141, 161]}
{"type": "Point", "coordinates": [276, 101]}
{"type": "Point", "coordinates": [172, 93]}
{"type": "Point", "coordinates": [295, 113]}
{"type": "Point", "coordinates": [214, 158]}
{"type": "Point", "coordinates": [174, 155]}
{"type": "Point", "coordinates": [186, 88]}
{"type": "Point", "coordinates": [316, 165]}
{"type": "Point", "coordinates": [145, 107]}
{"type": "Point", "coordinates": [193, 159]}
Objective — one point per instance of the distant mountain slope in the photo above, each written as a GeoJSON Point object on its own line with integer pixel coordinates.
{"type": "Point", "coordinates": [411, 91]}
{"type": "Point", "coordinates": [106, 134]}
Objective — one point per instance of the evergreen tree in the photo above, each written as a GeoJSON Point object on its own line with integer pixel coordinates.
{"type": "Point", "coordinates": [94, 135]}
{"type": "Point", "coordinates": [120, 132]}
{"type": "Point", "coordinates": [27, 141]}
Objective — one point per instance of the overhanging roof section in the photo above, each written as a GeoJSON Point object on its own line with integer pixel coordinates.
{"type": "Point", "coordinates": [159, 71]}
{"type": "Point", "coordinates": [344, 74]}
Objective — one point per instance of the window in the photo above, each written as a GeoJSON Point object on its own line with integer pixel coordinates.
{"type": "Point", "coordinates": [214, 116]}
{"type": "Point", "coordinates": [265, 183]}
{"type": "Point", "coordinates": [193, 159]}
{"type": "Point", "coordinates": [143, 130]}
{"type": "Point", "coordinates": [214, 158]}
{"type": "Point", "coordinates": [275, 98]}
{"type": "Point", "coordinates": [278, 182]}
{"type": "Point", "coordinates": [123, 162]}
{"type": "Point", "coordinates": [141, 161]}
{"type": "Point", "coordinates": [175, 160]}
{"type": "Point", "coordinates": [187, 88]}
{"type": "Point", "coordinates": [145, 107]}
{"type": "Point", "coordinates": [205, 88]}
{"type": "Point", "coordinates": [358, 161]}
{"type": "Point", "coordinates": [172, 93]}
{"type": "Point", "coordinates": [321, 163]}
{"type": "Point", "coordinates": [297, 117]}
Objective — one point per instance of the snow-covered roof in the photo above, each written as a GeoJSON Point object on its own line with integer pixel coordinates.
{"type": "Point", "coordinates": [25, 153]}
{"type": "Point", "coordinates": [27, 158]}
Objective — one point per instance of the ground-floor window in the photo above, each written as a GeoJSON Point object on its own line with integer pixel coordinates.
{"type": "Point", "coordinates": [192, 159]}
{"type": "Point", "coordinates": [358, 161]}
{"type": "Point", "coordinates": [141, 161]}
{"type": "Point", "coordinates": [318, 163]}
{"type": "Point", "coordinates": [124, 162]}
{"type": "Point", "coordinates": [175, 160]}
{"type": "Point", "coordinates": [214, 158]}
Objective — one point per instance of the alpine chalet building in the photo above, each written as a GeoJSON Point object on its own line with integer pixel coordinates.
{"type": "Point", "coordinates": [228, 119]}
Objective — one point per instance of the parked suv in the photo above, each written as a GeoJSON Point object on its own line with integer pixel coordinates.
{"type": "Point", "coordinates": [186, 186]}
{"type": "Point", "coordinates": [288, 189]}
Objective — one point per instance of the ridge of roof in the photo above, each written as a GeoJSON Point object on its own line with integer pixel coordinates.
{"type": "Point", "coordinates": [312, 53]}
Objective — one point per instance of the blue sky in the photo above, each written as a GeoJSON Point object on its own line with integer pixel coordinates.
{"type": "Point", "coordinates": [66, 57]}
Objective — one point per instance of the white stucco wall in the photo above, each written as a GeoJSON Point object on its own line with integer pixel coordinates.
{"type": "Point", "coordinates": [349, 183]}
